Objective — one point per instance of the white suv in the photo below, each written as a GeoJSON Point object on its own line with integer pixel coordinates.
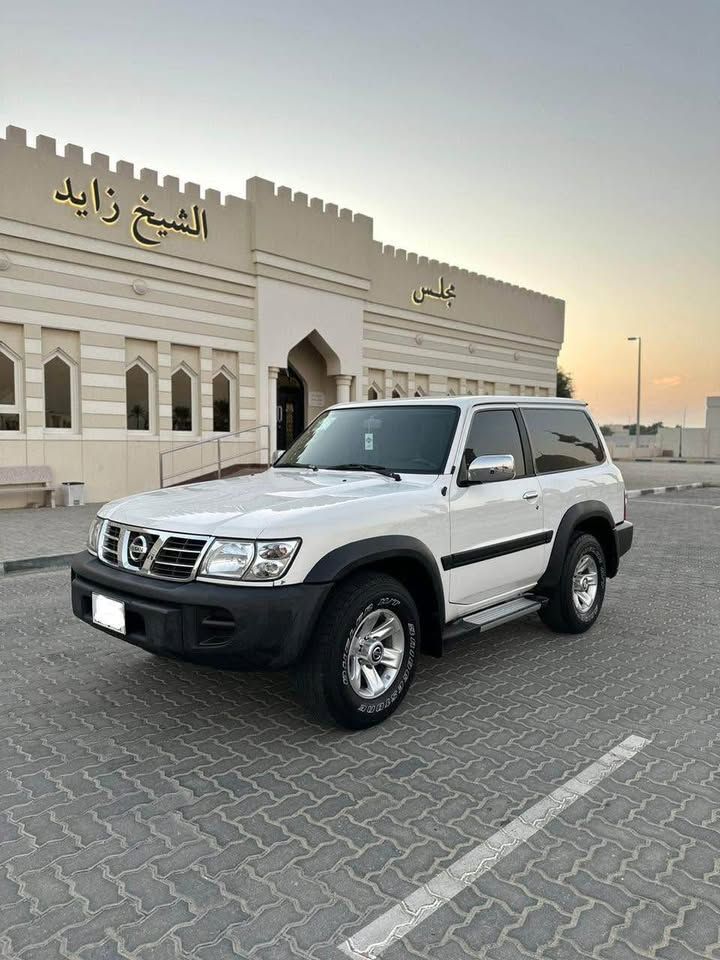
{"type": "Point", "coordinates": [385, 529]}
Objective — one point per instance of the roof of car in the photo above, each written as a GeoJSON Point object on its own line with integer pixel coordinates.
{"type": "Point", "coordinates": [469, 401]}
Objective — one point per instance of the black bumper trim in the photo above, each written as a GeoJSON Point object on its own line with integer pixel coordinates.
{"type": "Point", "coordinates": [623, 537]}
{"type": "Point", "coordinates": [257, 627]}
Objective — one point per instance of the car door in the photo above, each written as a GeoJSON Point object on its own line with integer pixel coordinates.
{"type": "Point", "coordinates": [497, 537]}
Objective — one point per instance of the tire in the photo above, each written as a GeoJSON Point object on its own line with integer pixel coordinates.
{"type": "Point", "coordinates": [340, 675]}
{"type": "Point", "coordinates": [565, 611]}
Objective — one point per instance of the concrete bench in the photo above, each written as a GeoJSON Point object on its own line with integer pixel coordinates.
{"type": "Point", "coordinates": [28, 478]}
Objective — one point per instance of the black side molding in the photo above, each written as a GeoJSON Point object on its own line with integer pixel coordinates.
{"type": "Point", "coordinates": [477, 554]}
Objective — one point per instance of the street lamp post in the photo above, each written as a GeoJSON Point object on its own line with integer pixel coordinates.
{"type": "Point", "coordinates": [637, 422]}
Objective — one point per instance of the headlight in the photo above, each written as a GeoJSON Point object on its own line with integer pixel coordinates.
{"type": "Point", "coordinates": [272, 558]}
{"type": "Point", "coordinates": [227, 559]}
{"type": "Point", "coordinates": [94, 535]}
{"type": "Point", "coordinates": [263, 560]}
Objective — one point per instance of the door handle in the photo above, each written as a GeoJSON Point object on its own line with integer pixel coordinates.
{"type": "Point", "coordinates": [530, 495]}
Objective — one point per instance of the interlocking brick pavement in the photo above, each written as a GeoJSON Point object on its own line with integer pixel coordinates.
{"type": "Point", "coordinates": [42, 532]}
{"type": "Point", "coordinates": [152, 809]}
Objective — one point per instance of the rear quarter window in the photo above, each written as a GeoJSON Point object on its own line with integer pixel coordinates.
{"type": "Point", "coordinates": [562, 440]}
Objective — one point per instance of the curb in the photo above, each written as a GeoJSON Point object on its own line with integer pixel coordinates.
{"type": "Point", "coordinates": [36, 563]}
{"type": "Point", "coordinates": [675, 486]}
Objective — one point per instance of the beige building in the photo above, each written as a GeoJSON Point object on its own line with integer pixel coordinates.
{"type": "Point", "coordinates": [140, 315]}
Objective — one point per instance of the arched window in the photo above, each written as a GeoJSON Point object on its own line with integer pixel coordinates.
{"type": "Point", "coordinates": [372, 394]}
{"type": "Point", "coordinates": [9, 390]}
{"type": "Point", "coordinates": [398, 392]}
{"type": "Point", "coordinates": [182, 391]}
{"type": "Point", "coordinates": [221, 402]}
{"type": "Point", "coordinates": [138, 396]}
{"type": "Point", "coordinates": [59, 375]}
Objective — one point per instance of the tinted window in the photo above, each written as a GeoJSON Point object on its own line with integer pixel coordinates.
{"type": "Point", "coordinates": [407, 439]}
{"type": "Point", "coordinates": [562, 440]}
{"type": "Point", "coordinates": [494, 432]}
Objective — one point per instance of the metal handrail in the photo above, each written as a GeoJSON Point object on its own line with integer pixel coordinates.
{"type": "Point", "coordinates": [218, 441]}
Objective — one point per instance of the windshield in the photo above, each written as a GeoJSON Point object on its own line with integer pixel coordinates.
{"type": "Point", "coordinates": [406, 439]}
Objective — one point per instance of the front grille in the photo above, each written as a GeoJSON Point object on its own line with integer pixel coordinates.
{"type": "Point", "coordinates": [110, 544]}
{"type": "Point", "coordinates": [163, 555]}
{"type": "Point", "coordinates": [136, 558]}
{"type": "Point", "coordinates": [177, 557]}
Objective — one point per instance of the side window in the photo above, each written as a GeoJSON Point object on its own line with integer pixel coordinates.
{"type": "Point", "coordinates": [493, 432]}
{"type": "Point", "coordinates": [562, 440]}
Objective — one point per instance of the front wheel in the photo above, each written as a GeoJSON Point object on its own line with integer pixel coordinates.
{"type": "Point", "coordinates": [362, 657]}
{"type": "Point", "coordinates": [575, 604]}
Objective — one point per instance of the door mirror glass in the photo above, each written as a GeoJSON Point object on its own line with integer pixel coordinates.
{"type": "Point", "coordinates": [491, 469]}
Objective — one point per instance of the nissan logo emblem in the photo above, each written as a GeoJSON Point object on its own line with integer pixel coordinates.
{"type": "Point", "coordinates": [138, 548]}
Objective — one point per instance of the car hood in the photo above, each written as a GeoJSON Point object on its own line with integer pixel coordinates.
{"type": "Point", "coordinates": [276, 502]}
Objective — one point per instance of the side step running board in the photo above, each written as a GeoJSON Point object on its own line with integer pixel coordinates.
{"type": "Point", "coordinates": [494, 616]}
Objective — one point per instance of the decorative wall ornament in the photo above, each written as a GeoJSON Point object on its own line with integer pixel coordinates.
{"type": "Point", "coordinates": [471, 348]}
{"type": "Point", "coordinates": [419, 338]}
{"type": "Point", "coordinates": [5, 262]}
{"type": "Point", "coordinates": [140, 287]}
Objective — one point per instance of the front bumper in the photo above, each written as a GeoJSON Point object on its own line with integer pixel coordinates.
{"type": "Point", "coordinates": [623, 537]}
{"type": "Point", "coordinates": [257, 627]}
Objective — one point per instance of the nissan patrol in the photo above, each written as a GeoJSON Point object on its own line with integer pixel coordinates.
{"type": "Point", "coordinates": [387, 528]}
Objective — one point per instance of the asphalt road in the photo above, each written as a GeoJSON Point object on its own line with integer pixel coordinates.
{"type": "Point", "coordinates": [152, 809]}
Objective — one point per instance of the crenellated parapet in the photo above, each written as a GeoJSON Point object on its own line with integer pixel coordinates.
{"type": "Point", "coordinates": [274, 232]}
{"type": "Point", "coordinates": [439, 267]}
{"type": "Point", "coordinates": [69, 190]}
{"type": "Point", "coordinates": [292, 226]}
{"type": "Point", "coordinates": [100, 163]}
{"type": "Point", "coordinates": [435, 288]}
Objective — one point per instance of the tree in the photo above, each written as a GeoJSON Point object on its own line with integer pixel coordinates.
{"type": "Point", "coordinates": [646, 429]}
{"type": "Point", "coordinates": [138, 413]}
{"type": "Point", "coordinates": [606, 429]}
{"type": "Point", "coordinates": [565, 386]}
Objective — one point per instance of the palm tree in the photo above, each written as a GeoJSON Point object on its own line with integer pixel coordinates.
{"type": "Point", "coordinates": [139, 414]}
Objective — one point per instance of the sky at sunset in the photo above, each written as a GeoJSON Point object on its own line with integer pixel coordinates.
{"type": "Point", "coordinates": [568, 146]}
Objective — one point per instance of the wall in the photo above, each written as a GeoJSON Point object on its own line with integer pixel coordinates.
{"type": "Point", "coordinates": [87, 288]}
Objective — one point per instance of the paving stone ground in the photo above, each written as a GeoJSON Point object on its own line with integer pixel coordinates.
{"type": "Point", "coordinates": [42, 532]}
{"type": "Point", "coordinates": [152, 809]}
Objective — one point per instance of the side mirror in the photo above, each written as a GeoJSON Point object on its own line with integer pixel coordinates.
{"type": "Point", "coordinates": [276, 456]}
{"type": "Point", "coordinates": [491, 469]}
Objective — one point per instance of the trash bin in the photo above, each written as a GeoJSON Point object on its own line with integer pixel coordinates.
{"type": "Point", "coordinates": [72, 493]}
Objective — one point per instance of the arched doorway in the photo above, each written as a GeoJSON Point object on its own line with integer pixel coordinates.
{"type": "Point", "coordinates": [290, 407]}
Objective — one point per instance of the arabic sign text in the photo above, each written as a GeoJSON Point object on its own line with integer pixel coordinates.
{"type": "Point", "coordinates": [146, 228]}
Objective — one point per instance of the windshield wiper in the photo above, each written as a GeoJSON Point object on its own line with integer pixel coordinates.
{"type": "Point", "coordinates": [369, 468]}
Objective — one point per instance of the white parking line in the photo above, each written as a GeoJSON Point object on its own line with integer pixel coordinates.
{"type": "Point", "coordinates": [376, 937]}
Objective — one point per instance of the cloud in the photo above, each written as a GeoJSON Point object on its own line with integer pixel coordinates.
{"type": "Point", "coordinates": [667, 381]}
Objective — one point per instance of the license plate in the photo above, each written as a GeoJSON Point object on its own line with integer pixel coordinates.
{"type": "Point", "coordinates": [108, 613]}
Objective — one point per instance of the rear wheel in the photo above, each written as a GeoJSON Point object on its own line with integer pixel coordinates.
{"type": "Point", "coordinates": [362, 657]}
{"type": "Point", "coordinates": [575, 604]}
